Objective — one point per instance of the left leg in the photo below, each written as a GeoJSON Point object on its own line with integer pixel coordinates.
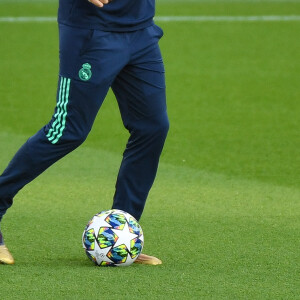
{"type": "Point", "coordinates": [140, 92]}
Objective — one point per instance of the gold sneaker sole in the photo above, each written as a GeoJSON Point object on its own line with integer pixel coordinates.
{"type": "Point", "coordinates": [5, 257]}
{"type": "Point", "coordinates": [144, 259]}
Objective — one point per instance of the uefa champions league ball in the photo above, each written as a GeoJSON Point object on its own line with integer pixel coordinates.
{"type": "Point", "coordinates": [113, 238]}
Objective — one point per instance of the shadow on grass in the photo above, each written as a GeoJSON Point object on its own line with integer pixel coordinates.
{"type": "Point", "coordinates": [73, 263]}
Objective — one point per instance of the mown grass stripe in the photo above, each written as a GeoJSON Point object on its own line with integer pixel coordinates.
{"type": "Point", "coordinates": [199, 18]}
{"type": "Point", "coordinates": [270, 18]}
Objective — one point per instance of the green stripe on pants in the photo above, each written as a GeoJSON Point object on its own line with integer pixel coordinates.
{"type": "Point", "coordinates": [58, 126]}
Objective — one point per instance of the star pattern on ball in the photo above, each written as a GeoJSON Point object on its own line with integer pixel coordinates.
{"type": "Point", "coordinates": [98, 222]}
{"type": "Point", "coordinates": [124, 236]}
{"type": "Point", "coordinates": [111, 238]}
{"type": "Point", "coordinates": [101, 254]}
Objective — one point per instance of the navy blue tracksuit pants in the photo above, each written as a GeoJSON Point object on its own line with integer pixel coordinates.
{"type": "Point", "coordinates": [92, 61]}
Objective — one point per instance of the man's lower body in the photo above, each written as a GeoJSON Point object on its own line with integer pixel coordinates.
{"type": "Point", "coordinates": [91, 62]}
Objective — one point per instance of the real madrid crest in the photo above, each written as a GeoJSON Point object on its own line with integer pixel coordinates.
{"type": "Point", "coordinates": [85, 72]}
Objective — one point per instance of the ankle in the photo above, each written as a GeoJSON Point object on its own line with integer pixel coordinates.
{"type": "Point", "coordinates": [1, 238]}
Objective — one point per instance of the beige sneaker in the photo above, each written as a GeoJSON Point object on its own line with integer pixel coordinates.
{"type": "Point", "coordinates": [148, 260]}
{"type": "Point", "coordinates": [5, 256]}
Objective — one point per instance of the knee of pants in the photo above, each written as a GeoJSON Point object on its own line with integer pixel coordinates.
{"type": "Point", "coordinates": [162, 126]}
{"type": "Point", "coordinates": [155, 128]}
{"type": "Point", "coordinates": [77, 139]}
{"type": "Point", "coordinates": [74, 136]}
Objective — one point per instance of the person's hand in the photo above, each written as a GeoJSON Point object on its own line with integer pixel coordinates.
{"type": "Point", "coordinates": [99, 3]}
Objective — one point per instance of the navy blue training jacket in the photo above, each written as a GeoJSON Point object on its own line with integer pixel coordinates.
{"type": "Point", "coordinates": [118, 15]}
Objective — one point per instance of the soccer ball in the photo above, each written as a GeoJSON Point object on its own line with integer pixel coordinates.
{"type": "Point", "coordinates": [113, 238]}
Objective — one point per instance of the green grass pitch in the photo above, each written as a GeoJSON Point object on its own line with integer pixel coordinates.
{"type": "Point", "coordinates": [223, 214]}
